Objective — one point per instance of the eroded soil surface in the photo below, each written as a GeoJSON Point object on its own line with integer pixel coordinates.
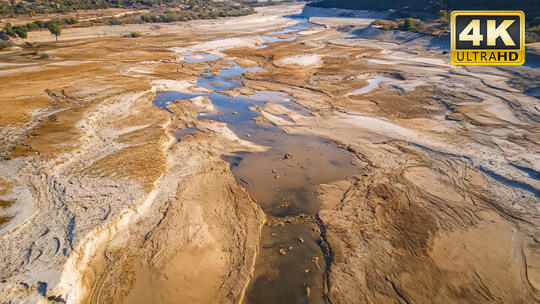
{"type": "Point", "coordinates": [269, 159]}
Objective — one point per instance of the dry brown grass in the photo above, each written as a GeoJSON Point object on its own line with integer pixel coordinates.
{"type": "Point", "coordinates": [56, 134]}
{"type": "Point", "coordinates": [4, 219]}
{"type": "Point", "coordinates": [6, 186]}
{"type": "Point", "coordinates": [417, 103]}
{"type": "Point", "coordinates": [144, 163]}
{"type": "Point", "coordinates": [5, 204]}
{"type": "Point", "coordinates": [17, 112]}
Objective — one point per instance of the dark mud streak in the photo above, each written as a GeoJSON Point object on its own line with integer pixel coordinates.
{"type": "Point", "coordinates": [428, 149]}
{"type": "Point", "coordinates": [158, 224]}
{"type": "Point", "coordinates": [28, 254]}
{"type": "Point", "coordinates": [57, 299]}
{"type": "Point", "coordinates": [445, 104]}
{"type": "Point", "coordinates": [57, 240]}
{"type": "Point", "coordinates": [399, 293]}
{"type": "Point", "coordinates": [70, 229]}
{"type": "Point", "coordinates": [510, 182]}
{"type": "Point", "coordinates": [328, 255]}
{"type": "Point", "coordinates": [45, 232]}
{"type": "Point", "coordinates": [40, 253]}
{"type": "Point", "coordinates": [496, 207]}
{"type": "Point", "coordinates": [484, 291]}
{"type": "Point", "coordinates": [516, 107]}
{"type": "Point", "coordinates": [507, 181]}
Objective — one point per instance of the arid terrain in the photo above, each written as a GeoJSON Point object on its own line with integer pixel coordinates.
{"type": "Point", "coordinates": [289, 156]}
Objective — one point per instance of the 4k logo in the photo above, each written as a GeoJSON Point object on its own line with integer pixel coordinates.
{"type": "Point", "coordinates": [488, 37]}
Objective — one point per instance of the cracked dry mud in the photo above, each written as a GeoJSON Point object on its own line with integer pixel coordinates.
{"type": "Point", "coordinates": [209, 164]}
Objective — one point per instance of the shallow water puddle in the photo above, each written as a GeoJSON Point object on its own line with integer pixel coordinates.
{"type": "Point", "coordinates": [304, 24]}
{"type": "Point", "coordinates": [199, 57]}
{"type": "Point", "coordinates": [534, 92]}
{"type": "Point", "coordinates": [292, 263]}
{"type": "Point", "coordinates": [262, 46]}
{"type": "Point", "coordinates": [184, 132]}
{"type": "Point", "coordinates": [277, 39]}
{"type": "Point", "coordinates": [228, 78]}
{"type": "Point", "coordinates": [373, 83]}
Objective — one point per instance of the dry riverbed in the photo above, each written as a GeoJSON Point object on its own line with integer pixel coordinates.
{"type": "Point", "coordinates": [267, 159]}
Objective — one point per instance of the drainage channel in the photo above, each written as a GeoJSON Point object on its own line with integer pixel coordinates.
{"type": "Point", "coordinates": [294, 257]}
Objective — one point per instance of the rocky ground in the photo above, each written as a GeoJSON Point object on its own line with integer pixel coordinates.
{"type": "Point", "coordinates": [101, 203]}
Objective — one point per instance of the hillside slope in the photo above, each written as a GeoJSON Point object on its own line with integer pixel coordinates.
{"type": "Point", "coordinates": [19, 7]}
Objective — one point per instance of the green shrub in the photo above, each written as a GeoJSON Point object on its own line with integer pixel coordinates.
{"type": "Point", "coordinates": [71, 20]}
{"type": "Point", "coordinates": [444, 15]}
{"type": "Point", "coordinates": [135, 35]}
{"type": "Point", "coordinates": [385, 24]}
{"type": "Point", "coordinates": [146, 18]}
{"type": "Point", "coordinates": [32, 27]}
{"type": "Point", "coordinates": [406, 25]}
{"type": "Point", "coordinates": [21, 31]}
{"type": "Point", "coordinates": [8, 30]}
{"type": "Point", "coordinates": [39, 23]}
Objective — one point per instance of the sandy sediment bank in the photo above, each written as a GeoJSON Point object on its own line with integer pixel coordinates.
{"type": "Point", "coordinates": [432, 198]}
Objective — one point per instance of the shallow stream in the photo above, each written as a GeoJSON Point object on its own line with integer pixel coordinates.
{"type": "Point", "coordinates": [294, 257]}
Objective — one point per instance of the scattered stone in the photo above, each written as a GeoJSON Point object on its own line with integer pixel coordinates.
{"type": "Point", "coordinates": [308, 291]}
{"type": "Point", "coordinates": [274, 234]}
{"type": "Point", "coordinates": [301, 239]}
{"type": "Point", "coordinates": [234, 113]}
{"type": "Point", "coordinates": [315, 260]}
{"type": "Point", "coordinates": [284, 205]}
{"type": "Point", "coordinates": [246, 134]}
{"type": "Point", "coordinates": [290, 247]}
{"type": "Point", "coordinates": [288, 156]}
{"type": "Point", "coordinates": [306, 270]}
{"type": "Point", "coordinates": [276, 177]}
{"type": "Point", "coordinates": [274, 171]}
{"type": "Point", "coordinates": [282, 251]}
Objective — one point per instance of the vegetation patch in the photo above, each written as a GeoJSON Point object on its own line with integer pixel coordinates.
{"type": "Point", "coordinates": [436, 14]}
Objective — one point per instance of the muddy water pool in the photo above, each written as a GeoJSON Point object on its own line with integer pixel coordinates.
{"type": "Point", "coordinates": [294, 256]}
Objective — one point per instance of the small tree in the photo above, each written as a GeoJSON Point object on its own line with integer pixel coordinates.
{"type": "Point", "coordinates": [408, 24]}
{"type": "Point", "coordinates": [54, 28]}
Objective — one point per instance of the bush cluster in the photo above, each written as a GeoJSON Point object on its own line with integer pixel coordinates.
{"type": "Point", "coordinates": [196, 13]}
{"type": "Point", "coordinates": [533, 30]}
{"type": "Point", "coordinates": [32, 7]}
{"type": "Point", "coordinates": [22, 30]}
{"type": "Point", "coordinates": [406, 24]}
